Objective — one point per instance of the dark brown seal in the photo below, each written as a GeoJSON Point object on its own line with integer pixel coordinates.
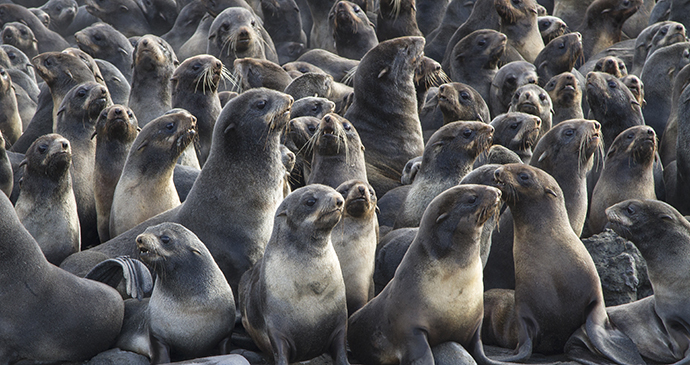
{"type": "Point", "coordinates": [47, 200]}
{"type": "Point", "coordinates": [628, 173]}
{"type": "Point", "coordinates": [10, 120]}
{"type": "Point", "coordinates": [544, 313]}
{"type": "Point", "coordinates": [116, 129]}
{"type": "Point", "coordinates": [380, 109]}
{"type": "Point", "coordinates": [409, 317]}
{"type": "Point", "coordinates": [566, 96]}
{"type": "Point", "coordinates": [48, 41]}
{"type": "Point", "coordinates": [353, 32]}
{"type": "Point", "coordinates": [287, 316]}
{"type": "Point", "coordinates": [396, 18]}
{"type": "Point", "coordinates": [519, 24]}
{"type": "Point", "coordinates": [603, 23]}
{"type": "Point", "coordinates": [518, 132]}
{"type": "Point", "coordinates": [559, 55]}
{"type": "Point", "coordinates": [611, 65]}
{"type": "Point", "coordinates": [508, 78]}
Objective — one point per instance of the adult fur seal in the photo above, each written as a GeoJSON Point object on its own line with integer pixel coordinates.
{"type": "Point", "coordinates": [380, 109]}
{"type": "Point", "coordinates": [408, 318]}
{"type": "Point", "coordinates": [146, 186]}
{"type": "Point", "coordinates": [248, 129]}
{"type": "Point", "coordinates": [46, 205]}
{"type": "Point", "coordinates": [116, 130]}
{"type": "Point", "coordinates": [544, 313]}
{"type": "Point", "coordinates": [628, 173]}
{"type": "Point", "coordinates": [662, 235]}
{"type": "Point", "coordinates": [192, 308]}
{"type": "Point", "coordinates": [286, 316]}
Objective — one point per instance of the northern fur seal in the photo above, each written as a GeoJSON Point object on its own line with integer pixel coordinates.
{"type": "Point", "coordinates": [10, 120]}
{"type": "Point", "coordinates": [46, 205]}
{"type": "Point", "coordinates": [192, 308]}
{"type": "Point", "coordinates": [408, 318]}
{"type": "Point", "coordinates": [287, 316]}
{"type": "Point", "coordinates": [544, 313]}
{"type": "Point", "coordinates": [532, 99]}
{"type": "Point", "coordinates": [603, 23]}
{"type": "Point", "coordinates": [146, 186]}
{"type": "Point", "coordinates": [254, 72]}
{"type": "Point", "coordinates": [611, 65]}
{"type": "Point", "coordinates": [19, 35]}
{"type": "Point", "coordinates": [116, 129]}
{"type": "Point", "coordinates": [628, 173]}
{"type": "Point", "coordinates": [558, 56]}
{"type": "Point", "coordinates": [380, 109]}
{"type": "Point", "coordinates": [103, 41]}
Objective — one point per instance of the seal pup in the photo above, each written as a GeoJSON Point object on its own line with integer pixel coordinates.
{"type": "Point", "coordinates": [154, 62]}
{"type": "Point", "coordinates": [311, 106]}
{"type": "Point", "coordinates": [62, 13]}
{"type": "Point", "coordinates": [124, 15]}
{"type": "Point", "coordinates": [194, 87]}
{"type": "Point", "coordinates": [667, 35]}
{"type": "Point", "coordinates": [566, 96]}
{"type": "Point", "coordinates": [76, 121]}
{"type": "Point", "coordinates": [628, 173]}
{"type": "Point", "coordinates": [186, 277]}
{"type": "Point", "coordinates": [637, 88]}
{"type": "Point", "coordinates": [643, 43]}
{"type": "Point", "coordinates": [253, 72]}
{"type": "Point", "coordinates": [456, 101]}
{"type": "Point", "coordinates": [6, 172]}
{"type": "Point", "coordinates": [603, 23]}
{"type": "Point", "coordinates": [247, 133]}
{"type": "Point", "coordinates": [294, 319]}
{"type": "Point", "coordinates": [151, 158]}
{"type": "Point", "coordinates": [551, 27]}
{"type": "Point", "coordinates": [378, 108]}
{"type": "Point", "coordinates": [117, 84]}
{"type": "Point", "coordinates": [611, 65]}
{"type": "Point", "coordinates": [558, 56]}
{"type": "Point", "coordinates": [354, 239]}
{"type": "Point", "coordinates": [396, 18]}
{"type": "Point", "coordinates": [46, 205]}
{"type": "Point", "coordinates": [508, 78]}
{"type": "Point", "coordinates": [519, 24]}
{"type": "Point", "coordinates": [102, 41]}
{"type": "Point", "coordinates": [298, 133]}
{"type": "Point", "coordinates": [10, 120]}
{"type": "Point", "coordinates": [338, 153]}
{"type": "Point", "coordinates": [408, 318]}
{"type": "Point", "coordinates": [353, 32]}
{"type": "Point", "coordinates": [48, 41]}
{"type": "Point", "coordinates": [541, 315]}
{"type": "Point", "coordinates": [116, 129]}
{"type": "Point", "coordinates": [662, 235]}
{"type": "Point", "coordinates": [532, 99]}
{"type": "Point", "coordinates": [448, 157]}
{"type": "Point", "coordinates": [19, 35]}
{"type": "Point", "coordinates": [518, 132]}
{"type": "Point", "coordinates": [328, 62]}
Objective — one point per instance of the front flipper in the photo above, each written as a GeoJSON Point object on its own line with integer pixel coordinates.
{"type": "Point", "coordinates": [160, 351]}
{"type": "Point", "coordinates": [418, 350]}
{"type": "Point", "coordinates": [138, 281]}
{"type": "Point", "coordinates": [477, 349]}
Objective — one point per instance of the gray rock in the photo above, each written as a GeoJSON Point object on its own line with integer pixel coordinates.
{"type": "Point", "coordinates": [452, 353]}
{"type": "Point", "coordinates": [117, 356]}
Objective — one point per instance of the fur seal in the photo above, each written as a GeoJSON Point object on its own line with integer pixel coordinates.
{"type": "Point", "coordinates": [19, 35]}
{"type": "Point", "coordinates": [117, 84]}
{"type": "Point", "coordinates": [311, 106]}
{"type": "Point", "coordinates": [543, 314]}
{"type": "Point", "coordinates": [637, 88]}
{"type": "Point", "coordinates": [628, 173]}
{"type": "Point", "coordinates": [253, 72]}
{"type": "Point", "coordinates": [283, 22]}
{"type": "Point", "coordinates": [519, 24]}
{"type": "Point", "coordinates": [194, 87]}
{"type": "Point", "coordinates": [338, 153]}
{"type": "Point", "coordinates": [396, 18]}
{"type": "Point", "coordinates": [62, 13]}
{"type": "Point", "coordinates": [186, 276]}
{"type": "Point", "coordinates": [102, 41]}
{"type": "Point", "coordinates": [298, 136]}
{"type": "Point", "coordinates": [447, 158]}
{"type": "Point", "coordinates": [185, 24]}
{"type": "Point", "coordinates": [48, 40]}
{"type": "Point", "coordinates": [124, 15]}
{"type": "Point", "coordinates": [603, 23]}
{"type": "Point", "coordinates": [6, 172]}
{"type": "Point", "coordinates": [286, 316]}
{"type": "Point", "coordinates": [46, 198]}
{"type": "Point", "coordinates": [667, 35]}
{"type": "Point", "coordinates": [151, 158]}
{"type": "Point", "coordinates": [558, 56]}
{"type": "Point", "coordinates": [76, 121]}
{"type": "Point", "coordinates": [354, 240]}
{"type": "Point", "coordinates": [10, 120]}
{"type": "Point", "coordinates": [566, 96]}
{"type": "Point", "coordinates": [154, 62]}
{"type": "Point", "coordinates": [408, 318]}
{"type": "Point", "coordinates": [353, 32]}
{"type": "Point", "coordinates": [474, 59]}
{"type": "Point", "coordinates": [329, 62]}
{"type": "Point", "coordinates": [449, 103]}
{"type": "Point", "coordinates": [319, 35]}
{"type": "Point", "coordinates": [643, 43]}
{"type": "Point", "coordinates": [661, 234]}
{"type": "Point", "coordinates": [551, 27]}
{"type": "Point", "coordinates": [457, 12]}
{"type": "Point", "coordinates": [532, 99]}
{"type": "Point", "coordinates": [508, 78]}
{"type": "Point", "coordinates": [116, 129]}
{"type": "Point", "coordinates": [611, 65]}
{"type": "Point", "coordinates": [518, 132]}
{"type": "Point", "coordinates": [380, 109]}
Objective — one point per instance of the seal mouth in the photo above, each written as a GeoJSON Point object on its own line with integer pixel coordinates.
{"type": "Point", "coordinates": [528, 108]}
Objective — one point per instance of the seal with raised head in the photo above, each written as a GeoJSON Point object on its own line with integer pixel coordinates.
{"type": "Point", "coordinates": [10, 120]}
{"type": "Point", "coordinates": [508, 78]}
{"type": "Point", "coordinates": [551, 27]}
{"type": "Point", "coordinates": [102, 41]}
{"type": "Point", "coordinates": [519, 24]}
{"type": "Point", "coordinates": [518, 132]}
{"type": "Point", "coordinates": [191, 309]}
{"type": "Point", "coordinates": [474, 59]}
{"type": "Point", "coordinates": [146, 186]}
{"type": "Point", "coordinates": [628, 173]}
{"type": "Point", "coordinates": [603, 23]}
{"type": "Point", "coordinates": [19, 35]}
{"type": "Point", "coordinates": [566, 97]}
{"type": "Point", "coordinates": [543, 313]}
{"type": "Point", "coordinates": [379, 109]}
{"type": "Point", "coordinates": [611, 65]}
{"type": "Point", "coordinates": [532, 99]}
{"type": "Point", "coordinates": [353, 32]}
{"type": "Point", "coordinates": [409, 317]}
{"type": "Point", "coordinates": [116, 129]}
{"type": "Point", "coordinates": [46, 198]}
{"type": "Point", "coordinates": [558, 56]}
{"type": "Point", "coordinates": [293, 301]}
{"type": "Point", "coordinates": [396, 18]}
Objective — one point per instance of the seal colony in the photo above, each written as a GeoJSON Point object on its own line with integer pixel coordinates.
{"type": "Point", "coordinates": [247, 107]}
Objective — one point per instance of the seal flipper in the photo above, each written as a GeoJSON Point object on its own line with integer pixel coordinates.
{"type": "Point", "coordinates": [477, 350]}
{"type": "Point", "coordinates": [598, 339]}
{"type": "Point", "coordinates": [160, 351]}
{"type": "Point", "coordinates": [138, 281]}
{"type": "Point", "coordinates": [418, 351]}
{"type": "Point", "coordinates": [526, 330]}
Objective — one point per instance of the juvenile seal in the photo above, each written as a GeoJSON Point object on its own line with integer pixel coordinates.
{"type": "Point", "coordinates": [611, 65]}
{"type": "Point", "coordinates": [519, 24]}
{"type": "Point", "coordinates": [518, 132]}
{"type": "Point", "coordinates": [544, 313]}
{"type": "Point", "coordinates": [508, 78]}
{"type": "Point", "coordinates": [558, 56]}
{"type": "Point", "coordinates": [551, 27]}
{"type": "Point", "coordinates": [102, 41]}
{"type": "Point", "coordinates": [474, 59]}
{"type": "Point", "coordinates": [46, 198]}
{"type": "Point", "coordinates": [566, 97]}
{"type": "Point", "coordinates": [192, 308]}
{"type": "Point", "coordinates": [532, 99]}
{"type": "Point", "coordinates": [637, 88]}
{"type": "Point", "coordinates": [408, 318]}
{"type": "Point", "coordinates": [396, 18]}
{"type": "Point", "coordinates": [603, 23]}
{"type": "Point", "coordinates": [353, 32]}
{"type": "Point", "coordinates": [311, 106]}
{"type": "Point", "coordinates": [325, 61]}
{"type": "Point", "coordinates": [124, 15]}
{"type": "Point", "coordinates": [628, 173]}
{"type": "Point", "coordinates": [286, 316]}
{"type": "Point", "coordinates": [10, 120]}
{"type": "Point", "coordinates": [253, 72]}
{"type": "Point", "coordinates": [116, 129]}
{"type": "Point", "coordinates": [19, 35]}
{"type": "Point", "coordinates": [146, 186]}
{"type": "Point", "coordinates": [62, 13]}
{"type": "Point", "coordinates": [380, 109]}
{"type": "Point", "coordinates": [452, 102]}
{"type": "Point", "coordinates": [48, 40]}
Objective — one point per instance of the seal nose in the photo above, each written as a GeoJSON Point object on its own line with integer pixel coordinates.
{"type": "Point", "coordinates": [362, 190]}
{"type": "Point", "coordinates": [597, 125]}
{"type": "Point", "coordinates": [339, 202]}
{"type": "Point", "coordinates": [497, 174]}
{"type": "Point", "coordinates": [537, 121]}
{"type": "Point", "coordinates": [117, 111]}
{"type": "Point", "coordinates": [679, 27]}
{"type": "Point", "coordinates": [140, 241]}
{"type": "Point", "coordinates": [650, 131]}
{"type": "Point", "coordinates": [610, 63]}
{"type": "Point", "coordinates": [65, 145]}
{"type": "Point", "coordinates": [145, 42]}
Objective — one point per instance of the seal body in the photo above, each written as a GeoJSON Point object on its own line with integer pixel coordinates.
{"type": "Point", "coordinates": [353, 33]}
{"type": "Point", "coordinates": [287, 316]}
{"type": "Point", "coordinates": [46, 205]}
{"type": "Point", "coordinates": [566, 97]}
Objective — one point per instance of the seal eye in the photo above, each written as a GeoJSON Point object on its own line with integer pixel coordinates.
{"type": "Point", "coordinates": [130, 115]}
{"type": "Point", "coordinates": [347, 127]}
{"type": "Point", "coordinates": [481, 42]}
{"type": "Point", "coordinates": [523, 176]}
{"type": "Point", "coordinates": [517, 2]}
{"type": "Point", "coordinates": [42, 148]}
{"type": "Point", "coordinates": [612, 84]}
{"type": "Point", "coordinates": [81, 93]}
{"type": "Point", "coordinates": [514, 126]}
{"type": "Point", "coordinates": [631, 209]}
{"type": "Point", "coordinates": [542, 97]}
{"type": "Point", "coordinates": [261, 104]}
{"type": "Point", "coordinates": [196, 66]}
{"type": "Point", "coordinates": [356, 9]}
{"type": "Point", "coordinates": [253, 23]}
{"type": "Point", "coordinates": [165, 239]}
{"type": "Point", "coordinates": [97, 37]}
{"type": "Point", "coordinates": [310, 202]}
{"type": "Point", "coordinates": [516, 96]}
{"type": "Point", "coordinates": [315, 108]}
{"type": "Point", "coordinates": [561, 45]}
{"type": "Point", "coordinates": [569, 132]}
{"type": "Point", "coordinates": [464, 95]}
{"type": "Point", "coordinates": [626, 3]}
{"type": "Point", "coordinates": [170, 126]}
{"type": "Point", "coordinates": [467, 133]}
{"type": "Point", "coordinates": [58, 8]}
{"type": "Point", "coordinates": [472, 199]}
{"type": "Point", "coordinates": [631, 135]}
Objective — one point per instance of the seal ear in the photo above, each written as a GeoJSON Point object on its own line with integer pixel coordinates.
{"type": "Point", "coordinates": [543, 156]}
{"type": "Point", "coordinates": [123, 51]}
{"type": "Point", "coordinates": [384, 72]}
{"type": "Point", "coordinates": [24, 162]}
{"type": "Point", "coordinates": [282, 213]}
{"type": "Point", "coordinates": [441, 218]}
{"type": "Point", "coordinates": [665, 217]}
{"type": "Point", "coordinates": [94, 134]}
{"type": "Point", "coordinates": [124, 9]}
{"type": "Point", "coordinates": [61, 110]}
{"type": "Point", "coordinates": [550, 191]}
{"type": "Point", "coordinates": [229, 128]}
{"type": "Point", "coordinates": [144, 144]}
